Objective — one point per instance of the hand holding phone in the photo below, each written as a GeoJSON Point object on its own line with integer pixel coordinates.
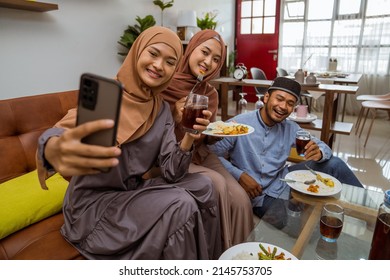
{"type": "Point", "coordinates": [99, 98]}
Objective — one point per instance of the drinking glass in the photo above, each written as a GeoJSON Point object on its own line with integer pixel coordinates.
{"type": "Point", "coordinates": [242, 103]}
{"type": "Point", "coordinates": [326, 250]}
{"type": "Point", "coordinates": [302, 138]}
{"type": "Point", "coordinates": [331, 222]}
{"type": "Point", "coordinates": [259, 103]}
{"type": "Point", "coordinates": [193, 108]}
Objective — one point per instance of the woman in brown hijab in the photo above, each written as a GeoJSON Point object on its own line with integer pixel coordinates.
{"type": "Point", "coordinates": [205, 56]}
{"type": "Point", "coordinates": [120, 214]}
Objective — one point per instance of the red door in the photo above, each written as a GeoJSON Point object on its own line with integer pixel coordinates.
{"type": "Point", "coordinates": [257, 36]}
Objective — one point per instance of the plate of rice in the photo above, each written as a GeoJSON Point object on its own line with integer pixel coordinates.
{"type": "Point", "coordinates": [256, 251]}
{"type": "Point", "coordinates": [227, 129]}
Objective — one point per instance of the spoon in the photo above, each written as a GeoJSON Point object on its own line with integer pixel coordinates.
{"type": "Point", "coordinates": [307, 182]}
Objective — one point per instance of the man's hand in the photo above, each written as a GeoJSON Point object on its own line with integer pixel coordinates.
{"type": "Point", "coordinates": [250, 185]}
{"type": "Point", "coordinates": [312, 152]}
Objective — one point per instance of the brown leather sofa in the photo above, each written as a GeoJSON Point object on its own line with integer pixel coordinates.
{"type": "Point", "coordinates": [22, 121]}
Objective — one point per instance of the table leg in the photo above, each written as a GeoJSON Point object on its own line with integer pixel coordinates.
{"type": "Point", "coordinates": [327, 117]}
{"type": "Point", "coordinates": [344, 105]}
{"type": "Point", "coordinates": [307, 231]}
{"type": "Point", "coordinates": [224, 102]}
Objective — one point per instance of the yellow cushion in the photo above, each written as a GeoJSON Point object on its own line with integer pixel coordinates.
{"type": "Point", "coordinates": [23, 202]}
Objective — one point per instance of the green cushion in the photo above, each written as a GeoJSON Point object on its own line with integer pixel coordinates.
{"type": "Point", "coordinates": [23, 201]}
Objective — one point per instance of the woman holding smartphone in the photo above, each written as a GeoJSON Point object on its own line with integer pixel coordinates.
{"type": "Point", "coordinates": [125, 214]}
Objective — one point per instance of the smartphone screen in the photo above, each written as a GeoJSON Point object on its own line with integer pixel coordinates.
{"type": "Point", "coordinates": [99, 98]}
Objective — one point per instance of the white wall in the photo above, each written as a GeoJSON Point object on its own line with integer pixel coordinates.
{"type": "Point", "coordinates": [47, 52]}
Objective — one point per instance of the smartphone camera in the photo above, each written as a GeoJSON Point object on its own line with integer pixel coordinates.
{"type": "Point", "coordinates": [89, 92]}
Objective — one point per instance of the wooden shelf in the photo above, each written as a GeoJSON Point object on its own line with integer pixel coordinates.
{"type": "Point", "coordinates": [28, 5]}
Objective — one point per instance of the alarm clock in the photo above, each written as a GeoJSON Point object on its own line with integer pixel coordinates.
{"type": "Point", "coordinates": [240, 72]}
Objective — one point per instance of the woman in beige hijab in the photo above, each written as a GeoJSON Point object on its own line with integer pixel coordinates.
{"type": "Point", "coordinates": [121, 214]}
{"type": "Point", "coordinates": [205, 53]}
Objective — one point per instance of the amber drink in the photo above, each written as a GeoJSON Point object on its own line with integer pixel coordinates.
{"type": "Point", "coordinates": [380, 245]}
{"type": "Point", "coordinates": [193, 108]}
{"type": "Point", "coordinates": [302, 138]}
{"type": "Point", "coordinates": [331, 222]}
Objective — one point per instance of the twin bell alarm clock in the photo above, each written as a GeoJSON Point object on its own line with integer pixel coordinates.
{"type": "Point", "coordinates": [240, 72]}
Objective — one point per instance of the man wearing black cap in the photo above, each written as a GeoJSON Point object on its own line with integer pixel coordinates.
{"type": "Point", "coordinates": [258, 160]}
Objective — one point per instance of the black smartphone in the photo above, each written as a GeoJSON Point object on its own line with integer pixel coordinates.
{"type": "Point", "coordinates": [99, 98]}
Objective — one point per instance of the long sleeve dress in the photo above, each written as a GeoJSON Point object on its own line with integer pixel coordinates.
{"type": "Point", "coordinates": [118, 215]}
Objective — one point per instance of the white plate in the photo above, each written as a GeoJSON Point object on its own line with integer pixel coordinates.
{"type": "Point", "coordinates": [209, 131]}
{"type": "Point", "coordinates": [303, 175]}
{"type": "Point", "coordinates": [252, 248]}
{"type": "Point", "coordinates": [309, 118]}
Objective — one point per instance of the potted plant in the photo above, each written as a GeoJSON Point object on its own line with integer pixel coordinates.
{"type": "Point", "coordinates": [132, 32]}
{"type": "Point", "coordinates": [163, 6]}
{"type": "Point", "coordinates": [231, 62]}
{"type": "Point", "coordinates": [208, 21]}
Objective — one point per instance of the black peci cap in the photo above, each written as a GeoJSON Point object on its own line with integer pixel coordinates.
{"type": "Point", "coordinates": [288, 85]}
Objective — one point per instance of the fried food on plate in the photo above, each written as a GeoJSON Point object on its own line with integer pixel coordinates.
{"type": "Point", "coordinates": [327, 181]}
{"type": "Point", "coordinates": [229, 128]}
{"type": "Point", "coordinates": [313, 188]}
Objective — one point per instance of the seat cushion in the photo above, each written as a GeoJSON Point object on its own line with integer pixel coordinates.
{"type": "Point", "coordinates": [23, 202]}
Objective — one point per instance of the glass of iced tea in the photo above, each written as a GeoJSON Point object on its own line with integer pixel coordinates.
{"type": "Point", "coordinates": [193, 108]}
{"type": "Point", "coordinates": [302, 138]}
{"type": "Point", "coordinates": [331, 222]}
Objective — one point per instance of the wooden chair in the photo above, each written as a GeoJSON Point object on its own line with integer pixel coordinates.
{"type": "Point", "coordinates": [372, 106]}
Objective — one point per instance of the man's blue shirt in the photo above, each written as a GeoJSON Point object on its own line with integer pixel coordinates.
{"type": "Point", "coordinates": [263, 153]}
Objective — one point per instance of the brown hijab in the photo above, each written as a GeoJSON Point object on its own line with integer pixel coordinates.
{"type": "Point", "coordinates": [140, 104]}
{"type": "Point", "coordinates": [183, 80]}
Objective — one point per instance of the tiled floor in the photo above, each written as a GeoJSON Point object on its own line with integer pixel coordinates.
{"type": "Point", "coordinates": [371, 164]}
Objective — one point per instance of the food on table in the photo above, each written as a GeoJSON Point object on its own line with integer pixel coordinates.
{"type": "Point", "coordinates": [265, 254]}
{"type": "Point", "coordinates": [271, 253]}
{"type": "Point", "coordinates": [230, 128]}
{"type": "Point", "coordinates": [327, 181]}
{"type": "Point", "coordinates": [313, 188]}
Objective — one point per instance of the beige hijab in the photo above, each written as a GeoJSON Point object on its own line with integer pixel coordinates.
{"type": "Point", "coordinates": [183, 80]}
{"type": "Point", "coordinates": [140, 104]}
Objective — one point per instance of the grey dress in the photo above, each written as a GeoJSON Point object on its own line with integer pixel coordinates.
{"type": "Point", "coordinates": [118, 215]}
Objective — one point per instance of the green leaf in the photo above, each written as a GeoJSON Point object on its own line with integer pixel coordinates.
{"type": "Point", "coordinates": [162, 4]}
{"type": "Point", "coordinates": [133, 31]}
{"type": "Point", "coordinates": [208, 22]}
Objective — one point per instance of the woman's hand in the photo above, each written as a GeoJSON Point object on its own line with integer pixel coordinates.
{"type": "Point", "coordinates": [70, 157]}
{"type": "Point", "coordinates": [250, 185]}
{"type": "Point", "coordinates": [200, 126]}
{"type": "Point", "coordinates": [178, 110]}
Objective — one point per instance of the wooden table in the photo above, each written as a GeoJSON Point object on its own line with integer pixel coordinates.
{"type": "Point", "coordinates": [328, 126]}
{"type": "Point", "coordinates": [351, 79]}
